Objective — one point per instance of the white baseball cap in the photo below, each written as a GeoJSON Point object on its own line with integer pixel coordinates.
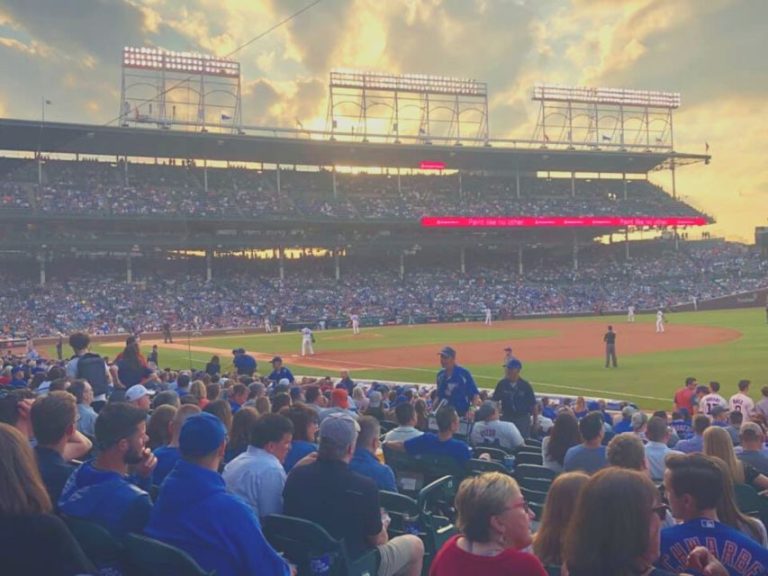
{"type": "Point", "coordinates": [136, 392]}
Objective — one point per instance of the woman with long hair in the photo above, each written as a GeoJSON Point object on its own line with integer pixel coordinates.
{"type": "Point", "coordinates": [223, 411]}
{"type": "Point", "coordinates": [306, 423]}
{"type": "Point", "coordinates": [132, 366]}
{"type": "Point", "coordinates": [422, 422]}
{"type": "Point", "coordinates": [717, 442]}
{"type": "Point", "coordinates": [728, 511]}
{"type": "Point", "coordinates": [561, 501]}
{"type": "Point", "coordinates": [213, 367]}
{"type": "Point", "coordinates": [36, 541]}
{"type": "Point", "coordinates": [494, 522]}
{"type": "Point", "coordinates": [198, 391]}
{"type": "Point", "coordinates": [564, 434]}
{"type": "Point", "coordinates": [240, 438]}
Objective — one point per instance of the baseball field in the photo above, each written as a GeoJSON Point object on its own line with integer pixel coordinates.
{"type": "Point", "coordinates": [563, 356]}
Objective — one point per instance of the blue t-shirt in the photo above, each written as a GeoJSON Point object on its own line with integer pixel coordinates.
{"type": "Point", "coordinates": [431, 444]}
{"type": "Point", "coordinates": [245, 364]}
{"type": "Point", "coordinates": [740, 555]}
{"type": "Point", "coordinates": [623, 426]}
{"type": "Point", "coordinates": [167, 456]}
{"type": "Point", "coordinates": [278, 375]}
{"type": "Point", "coordinates": [580, 457]}
{"type": "Point", "coordinates": [365, 463]}
{"type": "Point", "coordinates": [458, 389]}
{"type": "Point", "coordinates": [299, 449]}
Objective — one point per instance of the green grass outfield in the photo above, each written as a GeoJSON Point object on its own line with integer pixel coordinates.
{"type": "Point", "coordinates": [649, 379]}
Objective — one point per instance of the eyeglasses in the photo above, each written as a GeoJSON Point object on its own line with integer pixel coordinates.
{"type": "Point", "coordinates": [522, 504]}
{"type": "Point", "coordinates": [661, 511]}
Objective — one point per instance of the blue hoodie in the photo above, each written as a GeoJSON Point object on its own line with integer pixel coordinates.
{"type": "Point", "coordinates": [107, 498]}
{"type": "Point", "coordinates": [195, 513]}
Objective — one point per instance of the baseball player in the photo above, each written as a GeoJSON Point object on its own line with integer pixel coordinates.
{"type": "Point", "coordinates": [660, 321]}
{"type": "Point", "coordinates": [631, 313]}
{"type": "Point", "coordinates": [507, 356]}
{"type": "Point", "coordinates": [488, 315]}
{"type": "Point", "coordinates": [307, 340]}
{"type": "Point", "coordinates": [267, 325]}
{"type": "Point", "coordinates": [355, 323]}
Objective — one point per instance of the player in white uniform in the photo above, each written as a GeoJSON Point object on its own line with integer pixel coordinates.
{"type": "Point", "coordinates": [659, 321]}
{"type": "Point", "coordinates": [741, 402]}
{"type": "Point", "coordinates": [631, 313]}
{"type": "Point", "coordinates": [267, 325]}
{"type": "Point", "coordinates": [355, 323]}
{"type": "Point", "coordinates": [709, 401]}
{"type": "Point", "coordinates": [307, 339]}
{"type": "Point", "coordinates": [488, 315]}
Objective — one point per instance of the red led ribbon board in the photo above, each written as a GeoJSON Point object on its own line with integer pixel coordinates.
{"type": "Point", "coordinates": [555, 221]}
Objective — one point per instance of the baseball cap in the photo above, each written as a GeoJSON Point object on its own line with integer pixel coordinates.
{"type": "Point", "coordinates": [284, 382]}
{"type": "Point", "coordinates": [276, 359]}
{"type": "Point", "coordinates": [341, 429]}
{"type": "Point", "coordinates": [448, 352]}
{"type": "Point", "coordinates": [593, 406]}
{"type": "Point", "coordinates": [627, 411]}
{"type": "Point", "coordinates": [486, 409]}
{"type": "Point", "coordinates": [717, 410]}
{"type": "Point", "coordinates": [138, 391]}
{"type": "Point", "coordinates": [375, 399]}
{"type": "Point", "coordinates": [340, 398]}
{"type": "Point", "coordinates": [201, 434]}
{"type": "Point", "coordinates": [507, 349]}
{"type": "Point", "coordinates": [514, 364]}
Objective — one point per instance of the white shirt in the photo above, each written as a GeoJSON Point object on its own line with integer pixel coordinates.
{"type": "Point", "coordinates": [355, 318]}
{"type": "Point", "coordinates": [659, 315]}
{"type": "Point", "coordinates": [402, 433]}
{"type": "Point", "coordinates": [506, 433]}
{"type": "Point", "coordinates": [708, 402]}
{"type": "Point", "coordinates": [306, 333]}
{"type": "Point", "coordinates": [258, 478]}
{"type": "Point", "coordinates": [742, 403]}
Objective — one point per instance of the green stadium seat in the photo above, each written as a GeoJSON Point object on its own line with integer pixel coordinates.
{"type": "Point", "coordinates": [313, 550]}
{"type": "Point", "coordinates": [154, 558]}
{"type": "Point", "coordinates": [533, 443]}
{"type": "Point", "coordinates": [750, 502]}
{"type": "Point", "coordinates": [526, 457]}
{"type": "Point", "coordinates": [437, 513]}
{"type": "Point", "coordinates": [403, 512]}
{"type": "Point", "coordinates": [477, 467]}
{"type": "Point", "coordinates": [106, 552]}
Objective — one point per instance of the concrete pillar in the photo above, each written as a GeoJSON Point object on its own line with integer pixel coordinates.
{"type": "Point", "coordinates": [336, 265]}
{"type": "Point", "coordinates": [463, 259]}
{"type": "Point", "coordinates": [282, 263]}
{"type": "Point", "coordinates": [205, 175]}
{"type": "Point", "coordinates": [573, 184]}
{"type": "Point", "coordinates": [520, 260]}
{"type": "Point", "coordinates": [575, 252]}
{"type": "Point", "coordinates": [41, 258]}
{"type": "Point", "coordinates": [208, 264]}
{"type": "Point", "coordinates": [333, 175]}
{"type": "Point", "coordinates": [129, 269]}
{"type": "Point", "coordinates": [278, 178]}
{"type": "Point", "coordinates": [626, 243]}
{"type": "Point", "coordinates": [624, 181]}
{"type": "Point", "coordinates": [402, 265]}
{"type": "Point", "coordinates": [517, 182]}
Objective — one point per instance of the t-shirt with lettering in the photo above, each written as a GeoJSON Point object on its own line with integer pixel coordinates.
{"type": "Point", "coordinates": [431, 444]}
{"type": "Point", "coordinates": [742, 403]}
{"type": "Point", "coordinates": [740, 555]}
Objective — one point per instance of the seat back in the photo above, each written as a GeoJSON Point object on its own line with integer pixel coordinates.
{"type": "Point", "coordinates": [750, 502]}
{"type": "Point", "coordinates": [533, 471]}
{"type": "Point", "coordinates": [154, 558]}
{"type": "Point", "coordinates": [403, 512]}
{"type": "Point", "coordinates": [103, 549]}
{"type": "Point", "coordinates": [494, 452]}
{"type": "Point", "coordinates": [529, 457]}
{"type": "Point", "coordinates": [477, 466]}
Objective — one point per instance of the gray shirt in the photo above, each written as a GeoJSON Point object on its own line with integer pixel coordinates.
{"type": "Point", "coordinates": [86, 424]}
{"type": "Point", "coordinates": [758, 459]}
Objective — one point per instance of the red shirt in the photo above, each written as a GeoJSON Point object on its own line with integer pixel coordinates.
{"type": "Point", "coordinates": [684, 399]}
{"type": "Point", "coordinates": [453, 561]}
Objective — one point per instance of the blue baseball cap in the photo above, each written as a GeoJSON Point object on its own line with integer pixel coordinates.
{"type": "Point", "coordinates": [201, 434]}
{"type": "Point", "coordinates": [514, 364]}
{"type": "Point", "coordinates": [276, 359]}
{"type": "Point", "coordinates": [448, 352]}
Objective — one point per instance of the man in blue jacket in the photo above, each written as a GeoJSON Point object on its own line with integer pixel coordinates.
{"type": "Point", "coordinates": [101, 490]}
{"type": "Point", "coordinates": [245, 364]}
{"type": "Point", "coordinates": [280, 372]}
{"type": "Point", "coordinates": [194, 512]}
{"type": "Point", "coordinates": [455, 384]}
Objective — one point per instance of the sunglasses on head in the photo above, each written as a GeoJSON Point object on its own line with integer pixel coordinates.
{"type": "Point", "coordinates": [661, 511]}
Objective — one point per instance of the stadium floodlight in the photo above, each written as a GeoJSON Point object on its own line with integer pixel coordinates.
{"type": "Point", "coordinates": [610, 96]}
{"type": "Point", "coordinates": [420, 83]}
{"type": "Point", "coordinates": [167, 61]}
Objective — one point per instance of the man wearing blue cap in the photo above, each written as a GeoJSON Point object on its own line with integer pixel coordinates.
{"type": "Point", "coordinates": [245, 364]}
{"type": "Point", "coordinates": [516, 397]}
{"type": "Point", "coordinates": [280, 372]}
{"type": "Point", "coordinates": [195, 512]}
{"type": "Point", "coordinates": [455, 384]}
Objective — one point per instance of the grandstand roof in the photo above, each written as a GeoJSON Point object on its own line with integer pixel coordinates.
{"type": "Point", "coordinates": [88, 139]}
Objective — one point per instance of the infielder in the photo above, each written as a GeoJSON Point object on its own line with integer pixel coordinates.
{"type": "Point", "coordinates": [307, 340]}
{"type": "Point", "coordinates": [487, 316]}
{"type": "Point", "coordinates": [267, 325]}
{"type": "Point", "coordinates": [660, 322]}
{"type": "Point", "coordinates": [631, 313]}
{"type": "Point", "coordinates": [355, 323]}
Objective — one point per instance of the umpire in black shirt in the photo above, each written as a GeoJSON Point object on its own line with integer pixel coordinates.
{"type": "Point", "coordinates": [516, 397]}
{"type": "Point", "coordinates": [610, 347]}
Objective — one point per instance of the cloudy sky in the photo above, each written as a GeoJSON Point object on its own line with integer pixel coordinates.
{"type": "Point", "coordinates": [712, 51]}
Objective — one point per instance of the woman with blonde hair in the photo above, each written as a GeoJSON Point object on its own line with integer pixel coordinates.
{"type": "Point", "coordinates": [494, 522]}
{"type": "Point", "coordinates": [561, 501]}
{"type": "Point", "coordinates": [717, 442]}
{"type": "Point", "coordinates": [39, 541]}
{"type": "Point", "coordinates": [198, 390]}
{"type": "Point", "coordinates": [728, 511]}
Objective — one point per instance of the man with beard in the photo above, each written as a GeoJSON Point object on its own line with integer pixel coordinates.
{"type": "Point", "coordinates": [101, 490]}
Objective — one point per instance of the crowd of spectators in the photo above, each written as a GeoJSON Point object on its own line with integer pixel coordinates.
{"type": "Point", "coordinates": [88, 187]}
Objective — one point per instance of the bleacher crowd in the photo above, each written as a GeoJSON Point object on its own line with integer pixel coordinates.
{"type": "Point", "coordinates": [119, 467]}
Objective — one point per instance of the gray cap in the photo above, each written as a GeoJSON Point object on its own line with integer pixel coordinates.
{"type": "Point", "coordinates": [639, 419]}
{"type": "Point", "coordinates": [485, 411]}
{"type": "Point", "coordinates": [374, 399]}
{"type": "Point", "coordinates": [341, 429]}
{"type": "Point", "coordinates": [627, 411]}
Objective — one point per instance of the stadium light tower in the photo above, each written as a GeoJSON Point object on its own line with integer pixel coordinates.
{"type": "Point", "coordinates": [605, 117]}
{"type": "Point", "coordinates": [420, 107]}
{"type": "Point", "coordinates": [180, 89]}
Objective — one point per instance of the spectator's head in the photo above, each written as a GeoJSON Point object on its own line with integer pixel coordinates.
{"type": "Point", "coordinates": [139, 396]}
{"type": "Point", "coordinates": [280, 401]}
{"type": "Point", "coordinates": [277, 363]}
{"type": "Point", "coordinates": [661, 414]}
{"type": "Point", "coordinates": [166, 398]}
{"type": "Point", "coordinates": [513, 368]}
{"type": "Point", "coordinates": [714, 386]}
{"type": "Point", "coordinates": [159, 426]}
{"type": "Point", "coordinates": [591, 427]}
{"type": "Point", "coordinates": [312, 394]}
{"type": "Point", "coordinates": [700, 423]}
{"type": "Point", "coordinates": [238, 394]}
{"type": "Point", "coordinates": [374, 399]}
{"type": "Point", "coordinates": [639, 422]}
{"type": "Point", "coordinates": [22, 492]}
{"type": "Point", "coordinates": [273, 433]}
{"type": "Point", "coordinates": [626, 451]}
{"type": "Point", "coordinates": [744, 386]}
{"type": "Point", "coordinates": [447, 357]}
{"type": "Point", "coordinates": [405, 414]}
{"type": "Point", "coordinates": [256, 390]}
{"type": "Point", "coordinates": [54, 419]}
{"type": "Point", "coordinates": [487, 412]}
{"type": "Point", "coordinates": [339, 398]}
{"type": "Point", "coordinates": [491, 508]}
{"type": "Point", "coordinates": [79, 342]}
{"type": "Point", "coordinates": [752, 436]}
{"type": "Point", "coordinates": [624, 537]}
{"type": "Point", "coordinates": [564, 434]}
{"type": "Point", "coordinates": [213, 392]}
{"type": "Point", "coordinates": [719, 414]}
{"type": "Point", "coordinates": [203, 440]}
{"type": "Point", "coordinates": [242, 427]}
{"type": "Point", "coordinates": [338, 437]}
{"type": "Point", "coordinates": [627, 412]}
{"type": "Point", "coordinates": [14, 409]}
{"type": "Point", "coordinates": [183, 381]}
{"type": "Point", "coordinates": [447, 420]}
{"type": "Point", "coordinates": [693, 484]}
{"type": "Point", "coordinates": [558, 511]}
{"type": "Point", "coordinates": [82, 391]}
{"type": "Point", "coordinates": [370, 430]}
{"type": "Point", "coordinates": [306, 422]}
{"type": "Point", "coordinates": [121, 432]}
{"type": "Point", "coordinates": [197, 390]}
{"type": "Point", "coordinates": [657, 430]}
{"type": "Point", "coordinates": [691, 382]}
{"type": "Point", "coordinates": [718, 443]}
{"type": "Point", "coordinates": [736, 418]}
{"type": "Point", "coordinates": [222, 410]}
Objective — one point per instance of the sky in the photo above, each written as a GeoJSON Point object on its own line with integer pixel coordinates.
{"type": "Point", "coordinates": [711, 51]}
